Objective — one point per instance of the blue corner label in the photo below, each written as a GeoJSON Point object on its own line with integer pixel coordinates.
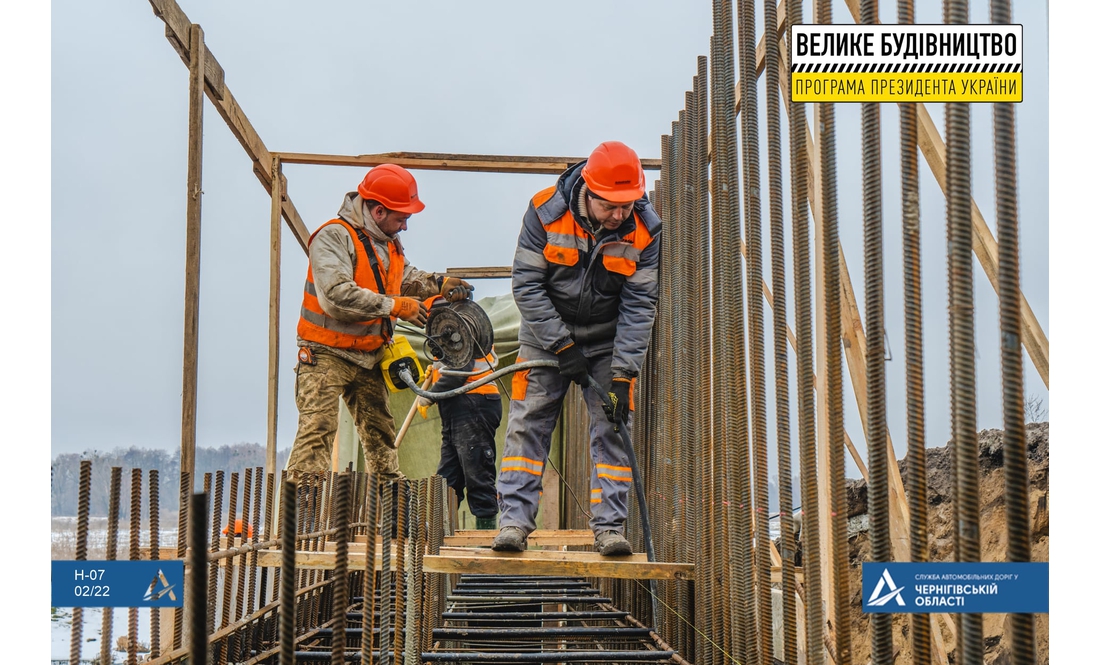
{"type": "Point", "coordinates": [985, 587]}
{"type": "Point", "coordinates": [117, 584]}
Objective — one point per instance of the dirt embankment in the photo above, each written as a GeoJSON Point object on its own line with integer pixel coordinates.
{"type": "Point", "coordinates": [941, 541]}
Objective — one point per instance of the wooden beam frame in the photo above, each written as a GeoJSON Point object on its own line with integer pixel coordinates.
{"type": "Point", "coordinates": [177, 28]}
{"type": "Point", "coordinates": [438, 161]}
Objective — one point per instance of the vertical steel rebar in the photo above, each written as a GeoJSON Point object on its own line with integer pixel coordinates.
{"type": "Point", "coordinates": [882, 643]}
{"type": "Point", "coordinates": [182, 538]}
{"type": "Point", "coordinates": [82, 509]}
{"type": "Point", "coordinates": [214, 528]}
{"type": "Point", "coordinates": [106, 636]}
{"type": "Point", "coordinates": [134, 555]}
{"type": "Point", "coordinates": [230, 570]}
{"type": "Point", "coordinates": [253, 570]}
{"type": "Point", "coordinates": [961, 324]}
{"type": "Point", "coordinates": [385, 593]}
{"type": "Point", "coordinates": [154, 555]}
{"type": "Point", "coordinates": [1017, 512]}
{"type": "Point", "coordinates": [369, 578]}
{"type": "Point", "coordinates": [288, 528]}
{"type": "Point", "coordinates": [779, 330]}
{"type": "Point", "coordinates": [340, 572]}
{"type": "Point", "coordinates": [688, 352]}
{"type": "Point", "coordinates": [804, 361]}
{"type": "Point", "coordinates": [833, 379]}
{"type": "Point", "coordinates": [196, 601]}
{"type": "Point", "coordinates": [750, 163]}
{"type": "Point", "coordinates": [916, 482]}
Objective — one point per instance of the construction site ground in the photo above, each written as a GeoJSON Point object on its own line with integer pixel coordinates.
{"type": "Point", "coordinates": [941, 545]}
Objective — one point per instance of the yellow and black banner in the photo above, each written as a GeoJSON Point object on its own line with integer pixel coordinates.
{"type": "Point", "coordinates": [907, 63]}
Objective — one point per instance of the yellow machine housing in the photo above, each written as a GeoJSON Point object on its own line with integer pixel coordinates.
{"type": "Point", "coordinates": [398, 354]}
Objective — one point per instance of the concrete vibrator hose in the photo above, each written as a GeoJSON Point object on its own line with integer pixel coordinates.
{"type": "Point", "coordinates": [455, 333]}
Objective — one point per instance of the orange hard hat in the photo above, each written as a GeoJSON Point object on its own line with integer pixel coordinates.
{"type": "Point", "coordinates": [237, 528]}
{"type": "Point", "coordinates": [614, 172]}
{"type": "Point", "coordinates": [393, 187]}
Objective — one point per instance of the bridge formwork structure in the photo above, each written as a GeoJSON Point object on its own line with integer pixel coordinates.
{"type": "Point", "coordinates": [360, 569]}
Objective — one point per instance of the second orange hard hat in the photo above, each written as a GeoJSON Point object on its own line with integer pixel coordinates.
{"type": "Point", "coordinates": [393, 187]}
{"type": "Point", "coordinates": [614, 172]}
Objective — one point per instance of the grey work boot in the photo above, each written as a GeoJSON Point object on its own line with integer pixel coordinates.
{"type": "Point", "coordinates": [510, 539]}
{"type": "Point", "coordinates": [486, 523]}
{"type": "Point", "coordinates": [612, 543]}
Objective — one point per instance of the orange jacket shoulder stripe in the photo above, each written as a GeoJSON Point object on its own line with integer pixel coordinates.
{"type": "Point", "coordinates": [565, 238]}
{"type": "Point", "coordinates": [316, 326]}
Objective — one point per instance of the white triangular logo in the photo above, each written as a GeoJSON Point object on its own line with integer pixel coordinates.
{"type": "Point", "coordinates": [894, 594]}
{"type": "Point", "coordinates": [154, 594]}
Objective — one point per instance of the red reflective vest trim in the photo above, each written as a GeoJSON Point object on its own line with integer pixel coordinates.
{"type": "Point", "coordinates": [483, 367]}
{"type": "Point", "coordinates": [565, 238]}
{"type": "Point", "coordinates": [316, 326]}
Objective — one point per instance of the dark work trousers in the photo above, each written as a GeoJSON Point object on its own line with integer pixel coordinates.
{"type": "Point", "coordinates": [467, 458]}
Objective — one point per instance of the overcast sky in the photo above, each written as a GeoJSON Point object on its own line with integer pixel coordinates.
{"type": "Point", "coordinates": [355, 77]}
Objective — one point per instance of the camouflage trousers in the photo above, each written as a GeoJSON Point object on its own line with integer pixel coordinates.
{"type": "Point", "coordinates": [317, 392]}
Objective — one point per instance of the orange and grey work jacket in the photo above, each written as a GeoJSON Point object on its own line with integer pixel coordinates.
{"type": "Point", "coordinates": [482, 366]}
{"type": "Point", "coordinates": [597, 289]}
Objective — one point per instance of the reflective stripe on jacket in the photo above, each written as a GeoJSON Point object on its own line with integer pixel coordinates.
{"type": "Point", "coordinates": [564, 293]}
{"type": "Point", "coordinates": [314, 325]}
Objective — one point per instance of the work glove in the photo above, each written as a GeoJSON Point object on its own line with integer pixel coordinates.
{"type": "Point", "coordinates": [422, 406]}
{"type": "Point", "coordinates": [454, 289]}
{"type": "Point", "coordinates": [619, 394]}
{"type": "Point", "coordinates": [411, 310]}
{"type": "Point", "coordinates": [572, 364]}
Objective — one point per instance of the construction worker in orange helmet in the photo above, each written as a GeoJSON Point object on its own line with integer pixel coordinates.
{"type": "Point", "coordinates": [585, 281]}
{"type": "Point", "coordinates": [358, 284]}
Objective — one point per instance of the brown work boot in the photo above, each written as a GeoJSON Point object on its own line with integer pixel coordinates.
{"type": "Point", "coordinates": [510, 539]}
{"type": "Point", "coordinates": [612, 543]}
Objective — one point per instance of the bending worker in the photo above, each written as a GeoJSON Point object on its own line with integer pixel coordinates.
{"type": "Point", "coordinates": [468, 453]}
{"type": "Point", "coordinates": [585, 281]}
{"type": "Point", "coordinates": [357, 286]}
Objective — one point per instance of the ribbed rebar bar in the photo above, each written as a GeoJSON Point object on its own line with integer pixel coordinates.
{"type": "Point", "coordinates": [106, 635]}
{"type": "Point", "coordinates": [698, 494]}
{"type": "Point", "coordinates": [154, 555]}
{"type": "Point", "coordinates": [689, 422]}
{"type": "Point", "coordinates": [664, 514]}
{"type": "Point", "coordinates": [676, 230]}
{"type": "Point", "coordinates": [230, 570]}
{"type": "Point", "coordinates": [214, 528]}
{"type": "Point", "coordinates": [134, 555]}
{"type": "Point", "coordinates": [730, 382]}
{"type": "Point", "coordinates": [288, 518]}
{"type": "Point", "coordinates": [82, 508]}
{"type": "Point", "coordinates": [385, 588]}
{"type": "Point", "coordinates": [414, 640]}
{"type": "Point", "coordinates": [181, 549]}
{"type": "Point", "coordinates": [750, 163]}
{"type": "Point", "coordinates": [340, 571]}
{"type": "Point", "coordinates": [419, 627]}
{"type": "Point", "coordinates": [916, 484]}
{"type": "Point", "coordinates": [1017, 512]}
{"type": "Point", "coordinates": [961, 325]}
{"type": "Point", "coordinates": [882, 643]}
{"type": "Point", "coordinates": [195, 603]}
{"type": "Point", "coordinates": [253, 570]}
{"type": "Point", "coordinates": [779, 331]}
{"type": "Point", "coordinates": [369, 620]}
{"type": "Point", "coordinates": [833, 379]}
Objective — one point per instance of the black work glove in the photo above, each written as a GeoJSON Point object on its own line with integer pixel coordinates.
{"type": "Point", "coordinates": [572, 364]}
{"type": "Point", "coordinates": [619, 393]}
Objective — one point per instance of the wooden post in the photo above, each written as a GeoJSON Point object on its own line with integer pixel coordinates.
{"type": "Point", "coordinates": [194, 233]}
{"type": "Point", "coordinates": [273, 312]}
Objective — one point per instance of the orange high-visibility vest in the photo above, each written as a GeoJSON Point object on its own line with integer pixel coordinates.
{"type": "Point", "coordinates": [483, 367]}
{"type": "Point", "coordinates": [565, 238]}
{"type": "Point", "coordinates": [316, 326]}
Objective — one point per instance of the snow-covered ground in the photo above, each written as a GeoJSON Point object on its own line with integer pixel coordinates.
{"type": "Point", "coordinates": [61, 632]}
